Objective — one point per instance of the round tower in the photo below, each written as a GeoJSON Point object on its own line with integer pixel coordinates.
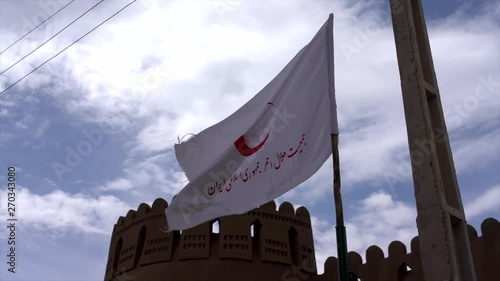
{"type": "Point", "coordinates": [263, 244]}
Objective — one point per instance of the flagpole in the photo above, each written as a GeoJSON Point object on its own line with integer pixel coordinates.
{"type": "Point", "coordinates": [340, 228]}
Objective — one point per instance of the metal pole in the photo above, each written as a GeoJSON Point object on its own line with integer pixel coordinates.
{"type": "Point", "coordinates": [340, 228]}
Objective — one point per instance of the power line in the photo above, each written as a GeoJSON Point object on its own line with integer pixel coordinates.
{"type": "Point", "coordinates": [21, 59]}
{"type": "Point", "coordinates": [37, 26]}
{"type": "Point", "coordinates": [35, 69]}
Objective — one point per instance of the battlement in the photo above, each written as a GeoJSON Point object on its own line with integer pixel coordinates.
{"type": "Point", "coordinates": [401, 265]}
{"type": "Point", "coordinates": [263, 244]}
{"type": "Point", "coordinates": [263, 235]}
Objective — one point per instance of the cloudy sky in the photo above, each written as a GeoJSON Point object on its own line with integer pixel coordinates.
{"type": "Point", "coordinates": [163, 69]}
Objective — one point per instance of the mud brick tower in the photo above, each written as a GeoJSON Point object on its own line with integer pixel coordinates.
{"type": "Point", "coordinates": [265, 244]}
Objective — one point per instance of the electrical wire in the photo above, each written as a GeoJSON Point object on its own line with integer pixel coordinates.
{"type": "Point", "coordinates": [21, 59]}
{"type": "Point", "coordinates": [37, 26]}
{"type": "Point", "coordinates": [35, 69]}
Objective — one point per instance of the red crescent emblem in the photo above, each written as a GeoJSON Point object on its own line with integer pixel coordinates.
{"type": "Point", "coordinates": [244, 149]}
{"type": "Point", "coordinates": [242, 146]}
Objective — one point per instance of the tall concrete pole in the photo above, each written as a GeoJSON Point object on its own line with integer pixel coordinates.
{"type": "Point", "coordinates": [442, 228]}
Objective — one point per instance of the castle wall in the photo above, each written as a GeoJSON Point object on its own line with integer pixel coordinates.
{"type": "Point", "coordinates": [401, 265]}
{"type": "Point", "coordinates": [263, 244]}
{"type": "Point", "coordinates": [280, 239]}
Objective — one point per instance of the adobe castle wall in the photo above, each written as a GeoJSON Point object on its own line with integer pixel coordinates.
{"type": "Point", "coordinates": [280, 248]}
{"type": "Point", "coordinates": [401, 265]}
{"type": "Point", "coordinates": [280, 238]}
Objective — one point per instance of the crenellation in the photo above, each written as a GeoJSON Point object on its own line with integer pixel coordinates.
{"type": "Point", "coordinates": [130, 217]}
{"type": "Point", "coordinates": [159, 205]}
{"type": "Point", "coordinates": [397, 249]}
{"type": "Point", "coordinates": [281, 239]}
{"type": "Point", "coordinates": [415, 245]}
{"type": "Point", "coordinates": [413, 259]}
{"type": "Point", "coordinates": [375, 265]}
{"type": "Point", "coordinates": [330, 270]}
{"type": "Point", "coordinates": [490, 228]}
{"type": "Point", "coordinates": [471, 232]}
{"type": "Point", "coordinates": [143, 210]}
{"type": "Point", "coordinates": [486, 250]}
{"type": "Point", "coordinates": [234, 241]}
{"type": "Point", "coordinates": [269, 206]}
{"type": "Point", "coordinates": [374, 254]}
{"type": "Point", "coordinates": [302, 212]}
{"type": "Point", "coordinates": [355, 261]}
{"type": "Point", "coordinates": [124, 227]}
{"type": "Point", "coordinates": [401, 265]}
{"type": "Point", "coordinates": [286, 209]}
{"type": "Point", "coordinates": [133, 249]}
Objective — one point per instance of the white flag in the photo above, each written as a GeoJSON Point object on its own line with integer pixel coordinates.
{"type": "Point", "coordinates": [276, 141]}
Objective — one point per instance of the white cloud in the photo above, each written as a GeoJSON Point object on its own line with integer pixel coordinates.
{"type": "Point", "coordinates": [5, 137]}
{"type": "Point", "coordinates": [378, 220]}
{"type": "Point", "coordinates": [489, 201]}
{"type": "Point", "coordinates": [148, 178]}
{"type": "Point", "coordinates": [61, 212]}
{"type": "Point", "coordinates": [42, 127]}
{"type": "Point", "coordinates": [477, 153]}
{"type": "Point", "coordinates": [7, 103]}
{"type": "Point", "coordinates": [156, 137]}
{"type": "Point", "coordinates": [182, 75]}
{"type": "Point", "coordinates": [118, 184]}
{"type": "Point", "coordinates": [50, 182]}
{"type": "Point", "coordinates": [25, 122]}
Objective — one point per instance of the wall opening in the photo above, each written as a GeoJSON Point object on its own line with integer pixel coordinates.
{"type": "Point", "coordinates": [116, 256]}
{"type": "Point", "coordinates": [255, 228]}
{"type": "Point", "coordinates": [294, 247]}
{"type": "Point", "coordinates": [216, 227]}
{"type": "Point", "coordinates": [140, 245]}
{"type": "Point", "coordinates": [176, 240]}
{"type": "Point", "coordinates": [403, 272]}
{"type": "Point", "coordinates": [353, 276]}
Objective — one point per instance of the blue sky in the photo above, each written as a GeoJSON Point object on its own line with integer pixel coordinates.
{"type": "Point", "coordinates": [163, 69]}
